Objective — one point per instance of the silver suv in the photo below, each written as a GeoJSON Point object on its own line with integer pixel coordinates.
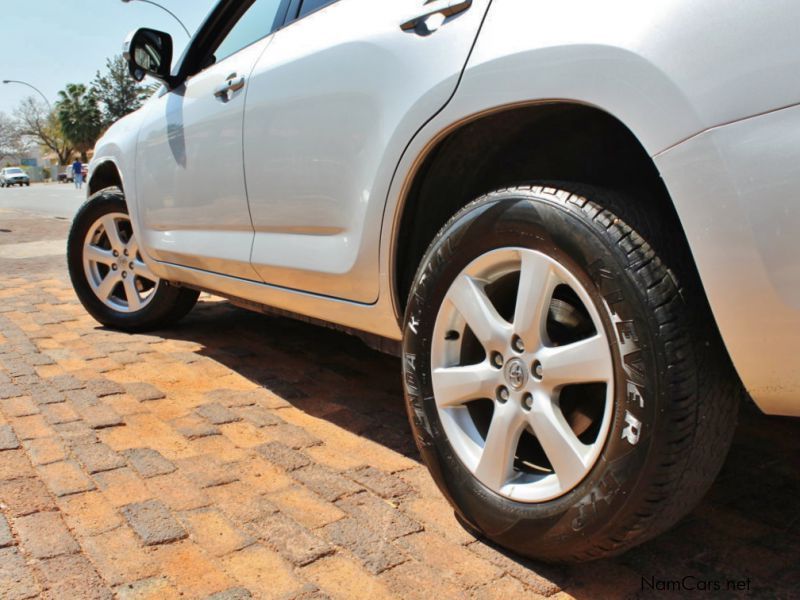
{"type": "Point", "coordinates": [576, 222]}
{"type": "Point", "coordinates": [14, 176]}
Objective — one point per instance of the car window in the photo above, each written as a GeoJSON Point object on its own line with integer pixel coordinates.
{"type": "Point", "coordinates": [257, 22]}
{"type": "Point", "coordinates": [310, 6]}
{"type": "Point", "coordinates": [14, 171]}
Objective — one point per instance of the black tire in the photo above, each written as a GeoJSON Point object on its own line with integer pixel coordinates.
{"type": "Point", "coordinates": [689, 392]}
{"type": "Point", "coordinates": [169, 304]}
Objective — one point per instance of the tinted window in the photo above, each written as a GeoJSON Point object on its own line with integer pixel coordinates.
{"type": "Point", "coordinates": [256, 23]}
{"type": "Point", "coordinates": [312, 5]}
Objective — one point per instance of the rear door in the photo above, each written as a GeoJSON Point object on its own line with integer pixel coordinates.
{"type": "Point", "coordinates": [331, 106]}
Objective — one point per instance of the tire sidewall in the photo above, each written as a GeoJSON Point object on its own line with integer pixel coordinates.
{"type": "Point", "coordinates": [542, 223]}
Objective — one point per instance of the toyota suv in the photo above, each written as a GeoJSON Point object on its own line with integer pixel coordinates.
{"type": "Point", "coordinates": [575, 222]}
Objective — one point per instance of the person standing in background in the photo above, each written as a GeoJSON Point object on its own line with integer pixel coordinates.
{"type": "Point", "coordinates": [77, 173]}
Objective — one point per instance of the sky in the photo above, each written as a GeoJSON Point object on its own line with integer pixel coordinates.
{"type": "Point", "coordinates": [50, 43]}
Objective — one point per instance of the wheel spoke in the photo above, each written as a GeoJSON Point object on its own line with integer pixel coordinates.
{"type": "Point", "coordinates": [456, 386]}
{"type": "Point", "coordinates": [496, 464]}
{"type": "Point", "coordinates": [537, 281]}
{"type": "Point", "coordinates": [132, 246]}
{"type": "Point", "coordinates": [132, 294]}
{"type": "Point", "coordinates": [566, 452]}
{"type": "Point", "coordinates": [585, 361]}
{"type": "Point", "coordinates": [144, 272]}
{"type": "Point", "coordinates": [99, 255]}
{"type": "Point", "coordinates": [112, 231]}
{"type": "Point", "coordinates": [470, 300]}
{"type": "Point", "coordinates": [107, 286]}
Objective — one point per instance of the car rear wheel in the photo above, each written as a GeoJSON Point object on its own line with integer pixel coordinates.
{"type": "Point", "coordinates": [109, 275]}
{"type": "Point", "coordinates": [552, 376]}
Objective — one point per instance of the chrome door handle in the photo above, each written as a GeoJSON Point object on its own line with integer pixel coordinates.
{"type": "Point", "coordinates": [425, 23]}
{"type": "Point", "coordinates": [232, 84]}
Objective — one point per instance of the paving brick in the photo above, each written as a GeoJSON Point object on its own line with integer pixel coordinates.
{"type": "Point", "coordinates": [6, 538]}
{"type": "Point", "coordinates": [101, 416]}
{"type": "Point", "coordinates": [384, 518]}
{"type": "Point", "coordinates": [506, 587]}
{"type": "Point", "coordinates": [45, 396]}
{"type": "Point", "coordinates": [65, 477]}
{"type": "Point", "coordinates": [213, 532]}
{"type": "Point", "coordinates": [177, 492]}
{"type": "Point", "coordinates": [237, 593]}
{"type": "Point", "coordinates": [97, 457]}
{"type": "Point", "coordinates": [8, 439]}
{"type": "Point", "coordinates": [89, 513]}
{"type": "Point", "coordinates": [305, 507]}
{"type": "Point", "coordinates": [449, 559]}
{"type": "Point", "coordinates": [384, 484]}
{"type": "Point", "coordinates": [295, 543]}
{"type": "Point", "coordinates": [259, 568]}
{"type": "Point", "coordinates": [56, 414]}
{"type": "Point", "coordinates": [230, 398]}
{"type": "Point", "coordinates": [44, 535]}
{"type": "Point", "coordinates": [32, 427]}
{"type": "Point", "coordinates": [153, 522]}
{"type": "Point", "coordinates": [118, 556]}
{"type": "Point", "coordinates": [16, 579]}
{"type": "Point", "coordinates": [152, 588]}
{"type": "Point", "coordinates": [44, 451]}
{"type": "Point", "coordinates": [73, 577]}
{"type": "Point", "coordinates": [9, 390]}
{"type": "Point", "coordinates": [193, 427]}
{"type": "Point", "coordinates": [14, 464]}
{"type": "Point", "coordinates": [81, 399]}
{"type": "Point", "coordinates": [144, 392]}
{"type": "Point", "coordinates": [293, 436]}
{"type": "Point", "coordinates": [191, 570]}
{"type": "Point", "coordinates": [207, 471]}
{"type": "Point", "coordinates": [148, 462]}
{"type": "Point", "coordinates": [326, 482]}
{"type": "Point", "coordinates": [522, 570]}
{"type": "Point", "coordinates": [377, 553]}
{"type": "Point", "coordinates": [64, 383]}
{"type": "Point", "coordinates": [417, 581]}
{"type": "Point", "coordinates": [241, 502]}
{"type": "Point", "coordinates": [217, 414]}
{"type": "Point", "coordinates": [25, 496]}
{"type": "Point", "coordinates": [345, 579]}
{"type": "Point", "coordinates": [104, 387]}
{"type": "Point", "coordinates": [122, 486]}
{"type": "Point", "coordinates": [283, 456]}
{"type": "Point", "coordinates": [22, 406]}
{"type": "Point", "coordinates": [259, 416]}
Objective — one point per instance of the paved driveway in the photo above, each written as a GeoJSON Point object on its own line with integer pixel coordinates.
{"type": "Point", "coordinates": [243, 455]}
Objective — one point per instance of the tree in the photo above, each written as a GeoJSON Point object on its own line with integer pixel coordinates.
{"type": "Point", "coordinates": [117, 92]}
{"type": "Point", "coordinates": [35, 122]}
{"type": "Point", "coordinates": [80, 117]}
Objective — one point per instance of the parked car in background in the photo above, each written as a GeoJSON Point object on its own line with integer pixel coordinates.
{"type": "Point", "coordinates": [572, 221]}
{"type": "Point", "coordinates": [14, 176]}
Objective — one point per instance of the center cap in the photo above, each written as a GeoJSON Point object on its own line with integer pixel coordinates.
{"type": "Point", "coordinates": [516, 374]}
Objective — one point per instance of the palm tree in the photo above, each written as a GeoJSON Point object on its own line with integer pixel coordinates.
{"type": "Point", "coordinates": [80, 117]}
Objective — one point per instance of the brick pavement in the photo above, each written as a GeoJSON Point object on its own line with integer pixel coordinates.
{"type": "Point", "coordinates": [240, 456]}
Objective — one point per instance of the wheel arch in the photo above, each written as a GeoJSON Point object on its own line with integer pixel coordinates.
{"type": "Point", "coordinates": [544, 141]}
{"type": "Point", "coordinates": [104, 175]}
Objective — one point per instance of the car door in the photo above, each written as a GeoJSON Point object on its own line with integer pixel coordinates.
{"type": "Point", "coordinates": [189, 172]}
{"type": "Point", "coordinates": [331, 106]}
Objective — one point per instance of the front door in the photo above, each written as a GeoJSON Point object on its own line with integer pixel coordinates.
{"type": "Point", "coordinates": [331, 106]}
{"type": "Point", "coordinates": [190, 178]}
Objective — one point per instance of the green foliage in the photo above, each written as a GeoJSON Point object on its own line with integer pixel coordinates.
{"type": "Point", "coordinates": [117, 92]}
{"type": "Point", "coordinates": [80, 117]}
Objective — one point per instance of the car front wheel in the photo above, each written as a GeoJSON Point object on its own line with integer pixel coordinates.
{"type": "Point", "coordinates": [553, 381]}
{"type": "Point", "coordinates": [108, 272]}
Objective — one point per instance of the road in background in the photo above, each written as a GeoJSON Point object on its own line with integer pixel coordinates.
{"type": "Point", "coordinates": [60, 200]}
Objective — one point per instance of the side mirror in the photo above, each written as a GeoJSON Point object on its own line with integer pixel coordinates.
{"type": "Point", "coordinates": [149, 52]}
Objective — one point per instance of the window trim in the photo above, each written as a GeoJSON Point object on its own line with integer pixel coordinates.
{"type": "Point", "coordinates": [293, 14]}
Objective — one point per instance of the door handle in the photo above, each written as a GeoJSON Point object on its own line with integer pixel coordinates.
{"type": "Point", "coordinates": [433, 15]}
{"type": "Point", "coordinates": [232, 84]}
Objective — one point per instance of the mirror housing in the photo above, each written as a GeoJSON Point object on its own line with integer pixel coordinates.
{"type": "Point", "coordinates": [149, 52]}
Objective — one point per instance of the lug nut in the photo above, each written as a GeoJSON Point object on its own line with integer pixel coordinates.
{"type": "Point", "coordinates": [527, 401]}
{"type": "Point", "coordinates": [502, 394]}
{"type": "Point", "coordinates": [517, 344]}
{"type": "Point", "coordinates": [130, 266]}
{"type": "Point", "coordinates": [115, 253]}
{"type": "Point", "coordinates": [113, 267]}
{"type": "Point", "coordinates": [124, 274]}
{"type": "Point", "coordinates": [125, 252]}
{"type": "Point", "coordinates": [497, 359]}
